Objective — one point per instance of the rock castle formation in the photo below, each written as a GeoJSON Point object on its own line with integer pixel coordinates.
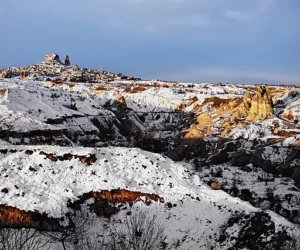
{"type": "Point", "coordinates": [52, 66]}
{"type": "Point", "coordinates": [52, 58]}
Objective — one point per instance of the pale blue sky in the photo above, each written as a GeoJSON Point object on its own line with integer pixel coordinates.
{"type": "Point", "coordinates": [245, 41]}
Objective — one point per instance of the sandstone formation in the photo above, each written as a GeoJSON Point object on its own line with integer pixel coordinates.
{"type": "Point", "coordinates": [204, 120]}
{"type": "Point", "coordinates": [261, 104]}
{"type": "Point", "coordinates": [120, 106]}
{"type": "Point", "coordinates": [194, 133]}
{"type": "Point", "coordinates": [256, 106]}
{"type": "Point", "coordinates": [126, 196]}
{"type": "Point", "coordinates": [121, 100]}
{"type": "Point", "coordinates": [192, 101]}
{"type": "Point", "coordinates": [226, 114]}
{"type": "Point", "coordinates": [16, 218]}
{"type": "Point", "coordinates": [288, 115]}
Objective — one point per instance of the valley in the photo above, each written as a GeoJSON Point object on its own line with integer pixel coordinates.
{"type": "Point", "coordinates": [213, 162]}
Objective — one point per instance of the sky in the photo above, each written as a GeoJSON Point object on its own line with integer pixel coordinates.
{"type": "Point", "coordinates": [236, 41]}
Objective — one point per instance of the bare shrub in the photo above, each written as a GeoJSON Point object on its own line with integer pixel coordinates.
{"type": "Point", "coordinates": [71, 235]}
{"type": "Point", "coordinates": [22, 239]}
{"type": "Point", "coordinates": [67, 238]}
{"type": "Point", "coordinates": [141, 230]}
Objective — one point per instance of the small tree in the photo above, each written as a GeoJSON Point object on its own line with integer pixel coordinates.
{"type": "Point", "coordinates": [139, 231]}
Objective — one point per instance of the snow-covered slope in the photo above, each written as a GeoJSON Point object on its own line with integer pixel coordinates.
{"type": "Point", "coordinates": [196, 214]}
{"type": "Point", "coordinates": [86, 112]}
{"type": "Point", "coordinates": [115, 168]}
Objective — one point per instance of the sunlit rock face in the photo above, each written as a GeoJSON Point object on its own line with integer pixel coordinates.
{"type": "Point", "coordinates": [260, 104]}
{"type": "Point", "coordinates": [194, 133]}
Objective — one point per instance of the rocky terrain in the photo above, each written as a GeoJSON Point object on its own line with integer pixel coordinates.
{"type": "Point", "coordinates": [53, 67]}
{"type": "Point", "coordinates": [241, 139]}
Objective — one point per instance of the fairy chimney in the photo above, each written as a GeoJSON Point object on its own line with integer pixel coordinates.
{"type": "Point", "coordinates": [66, 61]}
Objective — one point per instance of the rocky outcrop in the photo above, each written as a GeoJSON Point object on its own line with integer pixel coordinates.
{"type": "Point", "coordinates": [126, 196]}
{"type": "Point", "coordinates": [34, 137]}
{"type": "Point", "coordinates": [15, 218]}
{"type": "Point", "coordinates": [6, 73]}
{"type": "Point", "coordinates": [53, 67]}
{"type": "Point", "coordinates": [223, 154]}
{"type": "Point", "coordinates": [290, 167]}
{"type": "Point", "coordinates": [66, 61]}
{"type": "Point", "coordinates": [86, 160]}
{"type": "Point", "coordinates": [261, 104]}
{"type": "Point", "coordinates": [194, 149]}
{"type": "Point", "coordinates": [204, 120]}
{"type": "Point", "coordinates": [256, 106]}
{"type": "Point", "coordinates": [52, 58]}
{"type": "Point", "coordinates": [192, 101]}
{"type": "Point", "coordinates": [289, 116]}
{"type": "Point", "coordinates": [258, 231]}
{"type": "Point", "coordinates": [226, 114]}
{"type": "Point", "coordinates": [194, 133]}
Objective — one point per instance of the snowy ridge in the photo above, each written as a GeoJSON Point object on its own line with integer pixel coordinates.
{"type": "Point", "coordinates": [116, 168]}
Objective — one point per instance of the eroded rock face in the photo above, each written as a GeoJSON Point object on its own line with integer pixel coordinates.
{"type": "Point", "coordinates": [86, 160]}
{"type": "Point", "coordinates": [261, 104]}
{"type": "Point", "coordinates": [288, 115]}
{"type": "Point", "coordinates": [16, 218]}
{"type": "Point", "coordinates": [226, 114]}
{"type": "Point", "coordinates": [194, 133]}
{"type": "Point", "coordinates": [204, 120]}
{"type": "Point", "coordinates": [255, 107]}
{"type": "Point", "coordinates": [192, 101]}
{"type": "Point", "coordinates": [126, 196]}
{"type": "Point", "coordinates": [193, 148]}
